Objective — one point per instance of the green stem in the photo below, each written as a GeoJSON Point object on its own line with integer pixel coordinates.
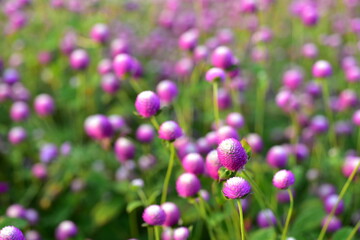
{"type": "Point", "coordinates": [283, 237]}
{"type": "Point", "coordinates": [354, 231]}
{"type": "Point", "coordinates": [203, 212]}
{"type": "Point", "coordinates": [155, 123]}
{"type": "Point", "coordinates": [358, 141]}
{"type": "Point", "coordinates": [341, 195]}
{"type": "Point", "coordinates": [168, 173]}
{"type": "Point", "coordinates": [157, 233]}
{"type": "Point", "coordinates": [215, 102]}
{"type": "Point", "coordinates": [242, 228]}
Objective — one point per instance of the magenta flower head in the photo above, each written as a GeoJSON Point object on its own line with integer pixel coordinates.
{"type": "Point", "coordinates": [32, 235]}
{"type": "Point", "coordinates": [154, 215]}
{"type": "Point", "coordinates": [146, 162]}
{"type": "Point", "coordinates": [309, 50]}
{"type": "Point", "coordinates": [187, 185]}
{"type": "Point", "coordinates": [167, 91]}
{"type": "Point", "coordinates": [356, 118]}
{"type": "Point", "coordinates": [110, 83]}
{"type": "Point", "coordinates": [19, 111]}
{"type": "Point", "coordinates": [17, 135]}
{"type": "Point", "coordinates": [283, 179]}
{"type": "Point", "coordinates": [11, 76]}
{"type": "Point", "coordinates": [79, 59]}
{"type": "Point", "coordinates": [123, 65]}
{"type": "Point", "coordinates": [170, 131]}
{"type": "Point", "coordinates": [322, 69]}
{"type": "Point", "coordinates": [181, 233]}
{"type": "Point", "coordinates": [212, 164]}
{"type": "Point", "coordinates": [32, 216]}
{"type": "Point", "coordinates": [39, 171]}
{"type": "Point", "coordinates": [117, 122]}
{"type": "Point", "coordinates": [292, 79]}
{"type": "Point", "coordinates": [100, 33]}
{"type": "Point", "coordinates": [325, 190]}
{"type": "Point", "coordinates": [330, 203]}
{"type": "Point", "coordinates": [66, 230]}
{"type": "Point", "coordinates": [16, 211]}
{"type": "Point", "coordinates": [145, 133]}
{"type": "Point", "coordinates": [44, 105]}
{"type": "Point", "coordinates": [11, 233]}
{"type": "Point", "coordinates": [319, 124]}
{"type": "Point", "coordinates": [226, 132]}
{"type": "Point", "coordinates": [193, 163]}
{"type": "Point", "coordinates": [119, 46]}
{"type": "Point", "coordinates": [48, 153]}
{"type": "Point", "coordinates": [277, 157]}
{"type": "Point", "coordinates": [349, 165]}
{"type": "Point", "coordinates": [248, 6]}
{"type": "Point", "coordinates": [104, 66]}
{"type": "Point", "coordinates": [222, 57]}
{"type": "Point", "coordinates": [255, 142]}
{"type": "Point", "coordinates": [266, 218]}
{"type": "Point", "coordinates": [309, 16]}
{"type": "Point", "coordinates": [236, 187]}
{"type": "Point", "coordinates": [231, 154]}
{"type": "Point", "coordinates": [201, 53]}
{"type": "Point", "coordinates": [172, 213]}
{"type": "Point", "coordinates": [235, 120]}
{"type": "Point", "coordinates": [215, 74]}
{"type": "Point", "coordinates": [98, 127]}
{"type": "Point", "coordinates": [147, 104]}
{"type": "Point", "coordinates": [353, 74]}
{"type": "Point", "coordinates": [188, 40]}
{"type": "Point", "coordinates": [124, 149]}
{"type": "Point", "coordinates": [334, 224]}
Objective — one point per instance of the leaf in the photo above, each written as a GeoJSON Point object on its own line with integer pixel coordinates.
{"type": "Point", "coordinates": [342, 234]}
{"type": "Point", "coordinates": [266, 233]}
{"type": "Point", "coordinates": [103, 212]}
{"type": "Point", "coordinates": [133, 205]}
{"type": "Point", "coordinates": [247, 147]}
{"type": "Point", "coordinates": [153, 196]}
{"type": "Point", "coordinates": [16, 222]}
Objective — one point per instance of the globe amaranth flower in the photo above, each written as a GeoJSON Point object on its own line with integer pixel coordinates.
{"type": "Point", "coordinates": [193, 163]}
{"type": "Point", "coordinates": [181, 233]}
{"type": "Point", "coordinates": [283, 179]}
{"type": "Point", "coordinates": [236, 187]}
{"type": "Point", "coordinates": [98, 127]}
{"type": "Point", "coordinates": [322, 69]}
{"type": "Point", "coordinates": [215, 74]}
{"type": "Point", "coordinates": [11, 233]}
{"type": "Point", "coordinates": [66, 230]}
{"type": "Point", "coordinates": [231, 154]}
{"type": "Point", "coordinates": [212, 164]}
{"type": "Point", "coordinates": [154, 215]}
{"type": "Point", "coordinates": [187, 185]}
{"type": "Point", "coordinates": [169, 131]}
{"type": "Point", "coordinates": [124, 149]}
{"type": "Point", "coordinates": [266, 218]}
{"type": "Point", "coordinates": [44, 105]}
{"type": "Point", "coordinates": [172, 213]}
{"type": "Point", "coordinates": [147, 104]}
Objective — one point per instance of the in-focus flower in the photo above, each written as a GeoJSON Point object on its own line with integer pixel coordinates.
{"type": "Point", "coordinates": [231, 154]}
{"type": "Point", "coordinates": [11, 233]}
{"type": "Point", "coordinates": [283, 179]}
{"type": "Point", "coordinates": [172, 213]}
{"type": "Point", "coordinates": [147, 104]}
{"type": "Point", "coordinates": [236, 187]}
{"type": "Point", "coordinates": [154, 215]}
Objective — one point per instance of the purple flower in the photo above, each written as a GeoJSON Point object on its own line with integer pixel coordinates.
{"type": "Point", "coordinates": [334, 224]}
{"type": "Point", "coordinates": [123, 65]}
{"type": "Point", "coordinates": [277, 157]}
{"type": "Point", "coordinates": [44, 105]}
{"type": "Point", "coordinates": [100, 33]}
{"type": "Point", "coordinates": [167, 91]}
{"type": "Point", "coordinates": [266, 218]}
{"type": "Point", "coordinates": [255, 142]}
{"type": "Point", "coordinates": [154, 215]}
{"type": "Point", "coordinates": [181, 233]}
{"type": "Point", "coordinates": [222, 57]}
{"type": "Point", "coordinates": [66, 230]}
{"type": "Point", "coordinates": [293, 79]}
{"type": "Point", "coordinates": [215, 74]}
{"type": "Point", "coordinates": [193, 163]}
{"type": "Point", "coordinates": [16, 211]}
{"type": "Point", "coordinates": [39, 171]}
{"type": "Point", "coordinates": [19, 111]}
{"type": "Point", "coordinates": [187, 185]}
{"type": "Point", "coordinates": [213, 164]}
{"type": "Point", "coordinates": [226, 132]}
{"type": "Point", "coordinates": [188, 40]}
{"type": "Point", "coordinates": [235, 120]}
{"type": "Point", "coordinates": [169, 131]}
{"type": "Point", "coordinates": [11, 76]}
{"type": "Point", "coordinates": [48, 153]}
{"type": "Point", "coordinates": [11, 233]}
{"type": "Point", "coordinates": [283, 179]}
{"type": "Point", "coordinates": [124, 149]}
{"type": "Point", "coordinates": [172, 213]}
{"type": "Point", "coordinates": [236, 187]}
{"type": "Point", "coordinates": [147, 104]}
{"type": "Point", "coordinates": [32, 235]}
{"type": "Point", "coordinates": [322, 69]}
{"type": "Point", "coordinates": [98, 127]}
{"type": "Point", "coordinates": [79, 59]}
{"type": "Point", "coordinates": [110, 83]}
{"type": "Point", "coordinates": [231, 154]}
{"type": "Point", "coordinates": [330, 202]}
{"type": "Point", "coordinates": [17, 135]}
{"type": "Point", "coordinates": [145, 133]}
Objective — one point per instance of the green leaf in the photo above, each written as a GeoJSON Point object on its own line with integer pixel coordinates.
{"type": "Point", "coordinates": [133, 205]}
{"type": "Point", "coordinates": [103, 212]}
{"type": "Point", "coordinates": [266, 233]}
{"type": "Point", "coordinates": [342, 234]}
{"type": "Point", "coordinates": [153, 196]}
{"type": "Point", "coordinates": [16, 222]}
{"type": "Point", "coordinates": [247, 147]}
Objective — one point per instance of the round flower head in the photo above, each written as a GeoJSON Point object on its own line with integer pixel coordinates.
{"type": "Point", "coordinates": [154, 215]}
{"type": "Point", "coordinates": [167, 91]}
{"type": "Point", "coordinates": [169, 131]}
{"type": "Point", "coordinates": [193, 163]}
{"type": "Point", "coordinates": [309, 50]}
{"type": "Point", "coordinates": [322, 69]}
{"type": "Point", "coordinates": [184, 67]}
{"type": "Point", "coordinates": [32, 235]}
{"type": "Point", "coordinates": [277, 157]}
{"type": "Point", "coordinates": [231, 154]}
{"type": "Point", "coordinates": [48, 153]}
{"type": "Point", "coordinates": [236, 187]}
{"type": "Point", "coordinates": [123, 65]}
{"type": "Point", "coordinates": [145, 133]}
{"type": "Point", "coordinates": [334, 224]}
{"type": "Point", "coordinates": [235, 120]}
{"type": "Point", "coordinates": [11, 233]}
{"type": "Point", "coordinates": [226, 132]}
{"type": "Point", "coordinates": [301, 152]}
{"type": "Point", "coordinates": [66, 230]}
{"type": "Point", "coordinates": [117, 122]}
{"type": "Point", "coordinates": [181, 233]}
{"type": "Point", "coordinates": [147, 104]}
{"type": "Point", "coordinates": [167, 234]}
{"type": "Point", "coordinates": [319, 124]}
{"type": "Point", "coordinates": [16, 211]}
{"type": "Point", "coordinates": [356, 118]}
{"type": "Point", "coordinates": [255, 142]}
{"type": "Point", "coordinates": [44, 105]}
{"type": "Point", "coordinates": [224, 99]}
{"type": "Point", "coordinates": [309, 16]}
{"type": "Point", "coordinates": [98, 127]}
{"type": "Point", "coordinates": [79, 59]}
{"type": "Point", "coordinates": [19, 111]}
{"type": "Point", "coordinates": [124, 149]}
{"type": "Point", "coordinates": [100, 33]}
{"type": "Point", "coordinates": [188, 40]}
{"type": "Point", "coordinates": [326, 190]}
{"type": "Point", "coordinates": [187, 185]}
{"type": "Point", "coordinates": [330, 202]}
{"type": "Point", "coordinates": [201, 53]}
{"type": "Point", "coordinates": [353, 74]}
{"type": "Point", "coordinates": [215, 74]}
{"type": "Point", "coordinates": [203, 146]}
{"type": "Point", "coordinates": [248, 6]}
{"type": "Point", "coordinates": [65, 148]}
{"type": "Point", "coordinates": [5, 92]}
{"type": "Point", "coordinates": [110, 83]}
{"type": "Point", "coordinates": [11, 76]}
{"type": "Point", "coordinates": [32, 216]}
{"type": "Point", "coordinates": [222, 57]}
{"type": "Point", "coordinates": [213, 164]}
{"type": "Point", "coordinates": [349, 165]}
{"type": "Point", "coordinates": [119, 46]}
{"type": "Point", "coordinates": [104, 66]}
{"type": "Point", "coordinates": [266, 218]}
{"type": "Point", "coordinates": [39, 171]}
{"type": "Point", "coordinates": [283, 179]}
{"type": "Point", "coordinates": [172, 213]}
{"type": "Point", "coordinates": [146, 162]}
{"type": "Point", "coordinates": [17, 135]}
{"type": "Point", "coordinates": [283, 196]}
{"type": "Point", "coordinates": [292, 78]}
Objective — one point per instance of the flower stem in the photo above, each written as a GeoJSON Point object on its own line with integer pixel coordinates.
{"type": "Point", "coordinates": [242, 228]}
{"type": "Point", "coordinates": [157, 233]}
{"type": "Point", "coordinates": [154, 122]}
{"type": "Point", "coordinates": [341, 195]}
{"type": "Point", "coordinates": [202, 210]}
{"type": "Point", "coordinates": [283, 236]}
{"type": "Point", "coordinates": [215, 102]}
{"type": "Point", "coordinates": [353, 232]}
{"type": "Point", "coordinates": [168, 173]}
